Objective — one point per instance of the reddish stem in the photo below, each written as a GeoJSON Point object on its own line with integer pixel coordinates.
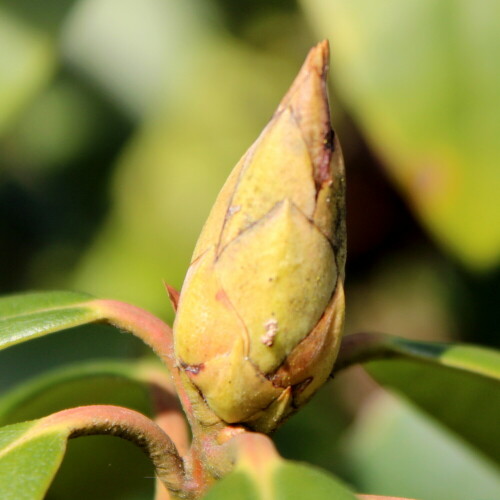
{"type": "Point", "coordinates": [129, 425]}
{"type": "Point", "coordinates": [151, 330]}
{"type": "Point", "coordinates": [166, 407]}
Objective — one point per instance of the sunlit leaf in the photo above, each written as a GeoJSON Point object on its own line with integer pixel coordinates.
{"type": "Point", "coordinates": [422, 79]}
{"type": "Point", "coordinates": [28, 316]}
{"type": "Point", "coordinates": [29, 459]}
{"type": "Point", "coordinates": [286, 481]}
{"type": "Point", "coordinates": [113, 463]}
{"type": "Point", "coordinates": [31, 315]}
{"type": "Point", "coordinates": [235, 486]}
{"type": "Point", "coordinates": [293, 481]}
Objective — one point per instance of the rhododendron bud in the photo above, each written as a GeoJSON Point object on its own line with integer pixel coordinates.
{"type": "Point", "coordinates": [261, 310]}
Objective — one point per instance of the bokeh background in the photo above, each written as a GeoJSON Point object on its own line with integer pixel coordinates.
{"type": "Point", "coordinates": [119, 122]}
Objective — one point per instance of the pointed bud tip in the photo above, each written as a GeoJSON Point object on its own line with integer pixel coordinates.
{"type": "Point", "coordinates": [316, 63]}
{"type": "Point", "coordinates": [307, 99]}
{"type": "Point", "coordinates": [318, 58]}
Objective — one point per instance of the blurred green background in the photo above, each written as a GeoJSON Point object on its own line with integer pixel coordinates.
{"type": "Point", "coordinates": [119, 122]}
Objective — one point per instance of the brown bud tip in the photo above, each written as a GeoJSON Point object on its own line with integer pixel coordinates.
{"type": "Point", "coordinates": [307, 99]}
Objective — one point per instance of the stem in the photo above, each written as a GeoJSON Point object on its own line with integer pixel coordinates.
{"type": "Point", "coordinates": [363, 347]}
{"type": "Point", "coordinates": [158, 335]}
{"type": "Point", "coordinates": [166, 407]}
{"type": "Point", "coordinates": [152, 331]}
{"type": "Point", "coordinates": [129, 425]}
{"type": "Point", "coordinates": [169, 418]}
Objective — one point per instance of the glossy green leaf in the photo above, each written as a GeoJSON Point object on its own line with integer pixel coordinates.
{"type": "Point", "coordinates": [27, 316]}
{"type": "Point", "coordinates": [457, 384]}
{"type": "Point", "coordinates": [284, 481]}
{"type": "Point", "coordinates": [114, 463]}
{"type": "Point", "coordinates": [31, 315]}
{"type": "Point", "coordinates": [29, 459]}
{"type": "Point", "coordinates": [422, 79]}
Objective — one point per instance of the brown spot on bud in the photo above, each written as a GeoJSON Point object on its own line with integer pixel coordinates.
{"type": "Point", "coordinates": [193, 369]}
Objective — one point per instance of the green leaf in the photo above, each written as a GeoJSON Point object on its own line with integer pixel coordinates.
{"type": "Point", "coordinates": [28, 316]}
{"type": "Point", "coordinates": [31, 315]}
{"type": "Point", "coordinates": [235, 486]}
{"type": "Point", "coordinates": [421, 77]}
{"type": "Point", "coordinates": [293, 481]}
{"type": "Point", "coordinates": [391, 435]}
{"type": "Point", "coordinates": [111, 382]}
{"type": "Point", "coordinates": [284, 481]}
{"type": "Point", "coordinates": [29, 459]}
{"type": "Point", "coordinates": [457, 384]}
{"type": "Point", "coordinates": [34, 450]}
{"type": "Point", "coordinates": [114, 463]}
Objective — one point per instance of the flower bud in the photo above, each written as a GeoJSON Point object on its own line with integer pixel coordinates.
{"type": "Point", "coordinates": [261, 310]}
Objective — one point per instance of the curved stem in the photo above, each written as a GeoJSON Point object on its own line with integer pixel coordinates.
{"type": "Point", "coordinates": [167, 410]}
{"type": "Point", "coordinates": [129, 425]}
{"type": "Point", "coordinates": [169, 418]}
{"type": "Point", "coordinates": [152, 331]}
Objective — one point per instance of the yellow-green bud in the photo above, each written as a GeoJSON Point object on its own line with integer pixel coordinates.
{"type": "Point", "coordinates": [261, 310]}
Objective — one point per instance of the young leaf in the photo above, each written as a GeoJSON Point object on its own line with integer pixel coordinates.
{"type": "Point", "coordinates": [29, 459]}
{"type": "Point", "coordinates": [457, 384]}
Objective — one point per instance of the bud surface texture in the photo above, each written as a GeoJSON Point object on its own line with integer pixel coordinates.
{"type": "Point", "coordinates": [261, 310]}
